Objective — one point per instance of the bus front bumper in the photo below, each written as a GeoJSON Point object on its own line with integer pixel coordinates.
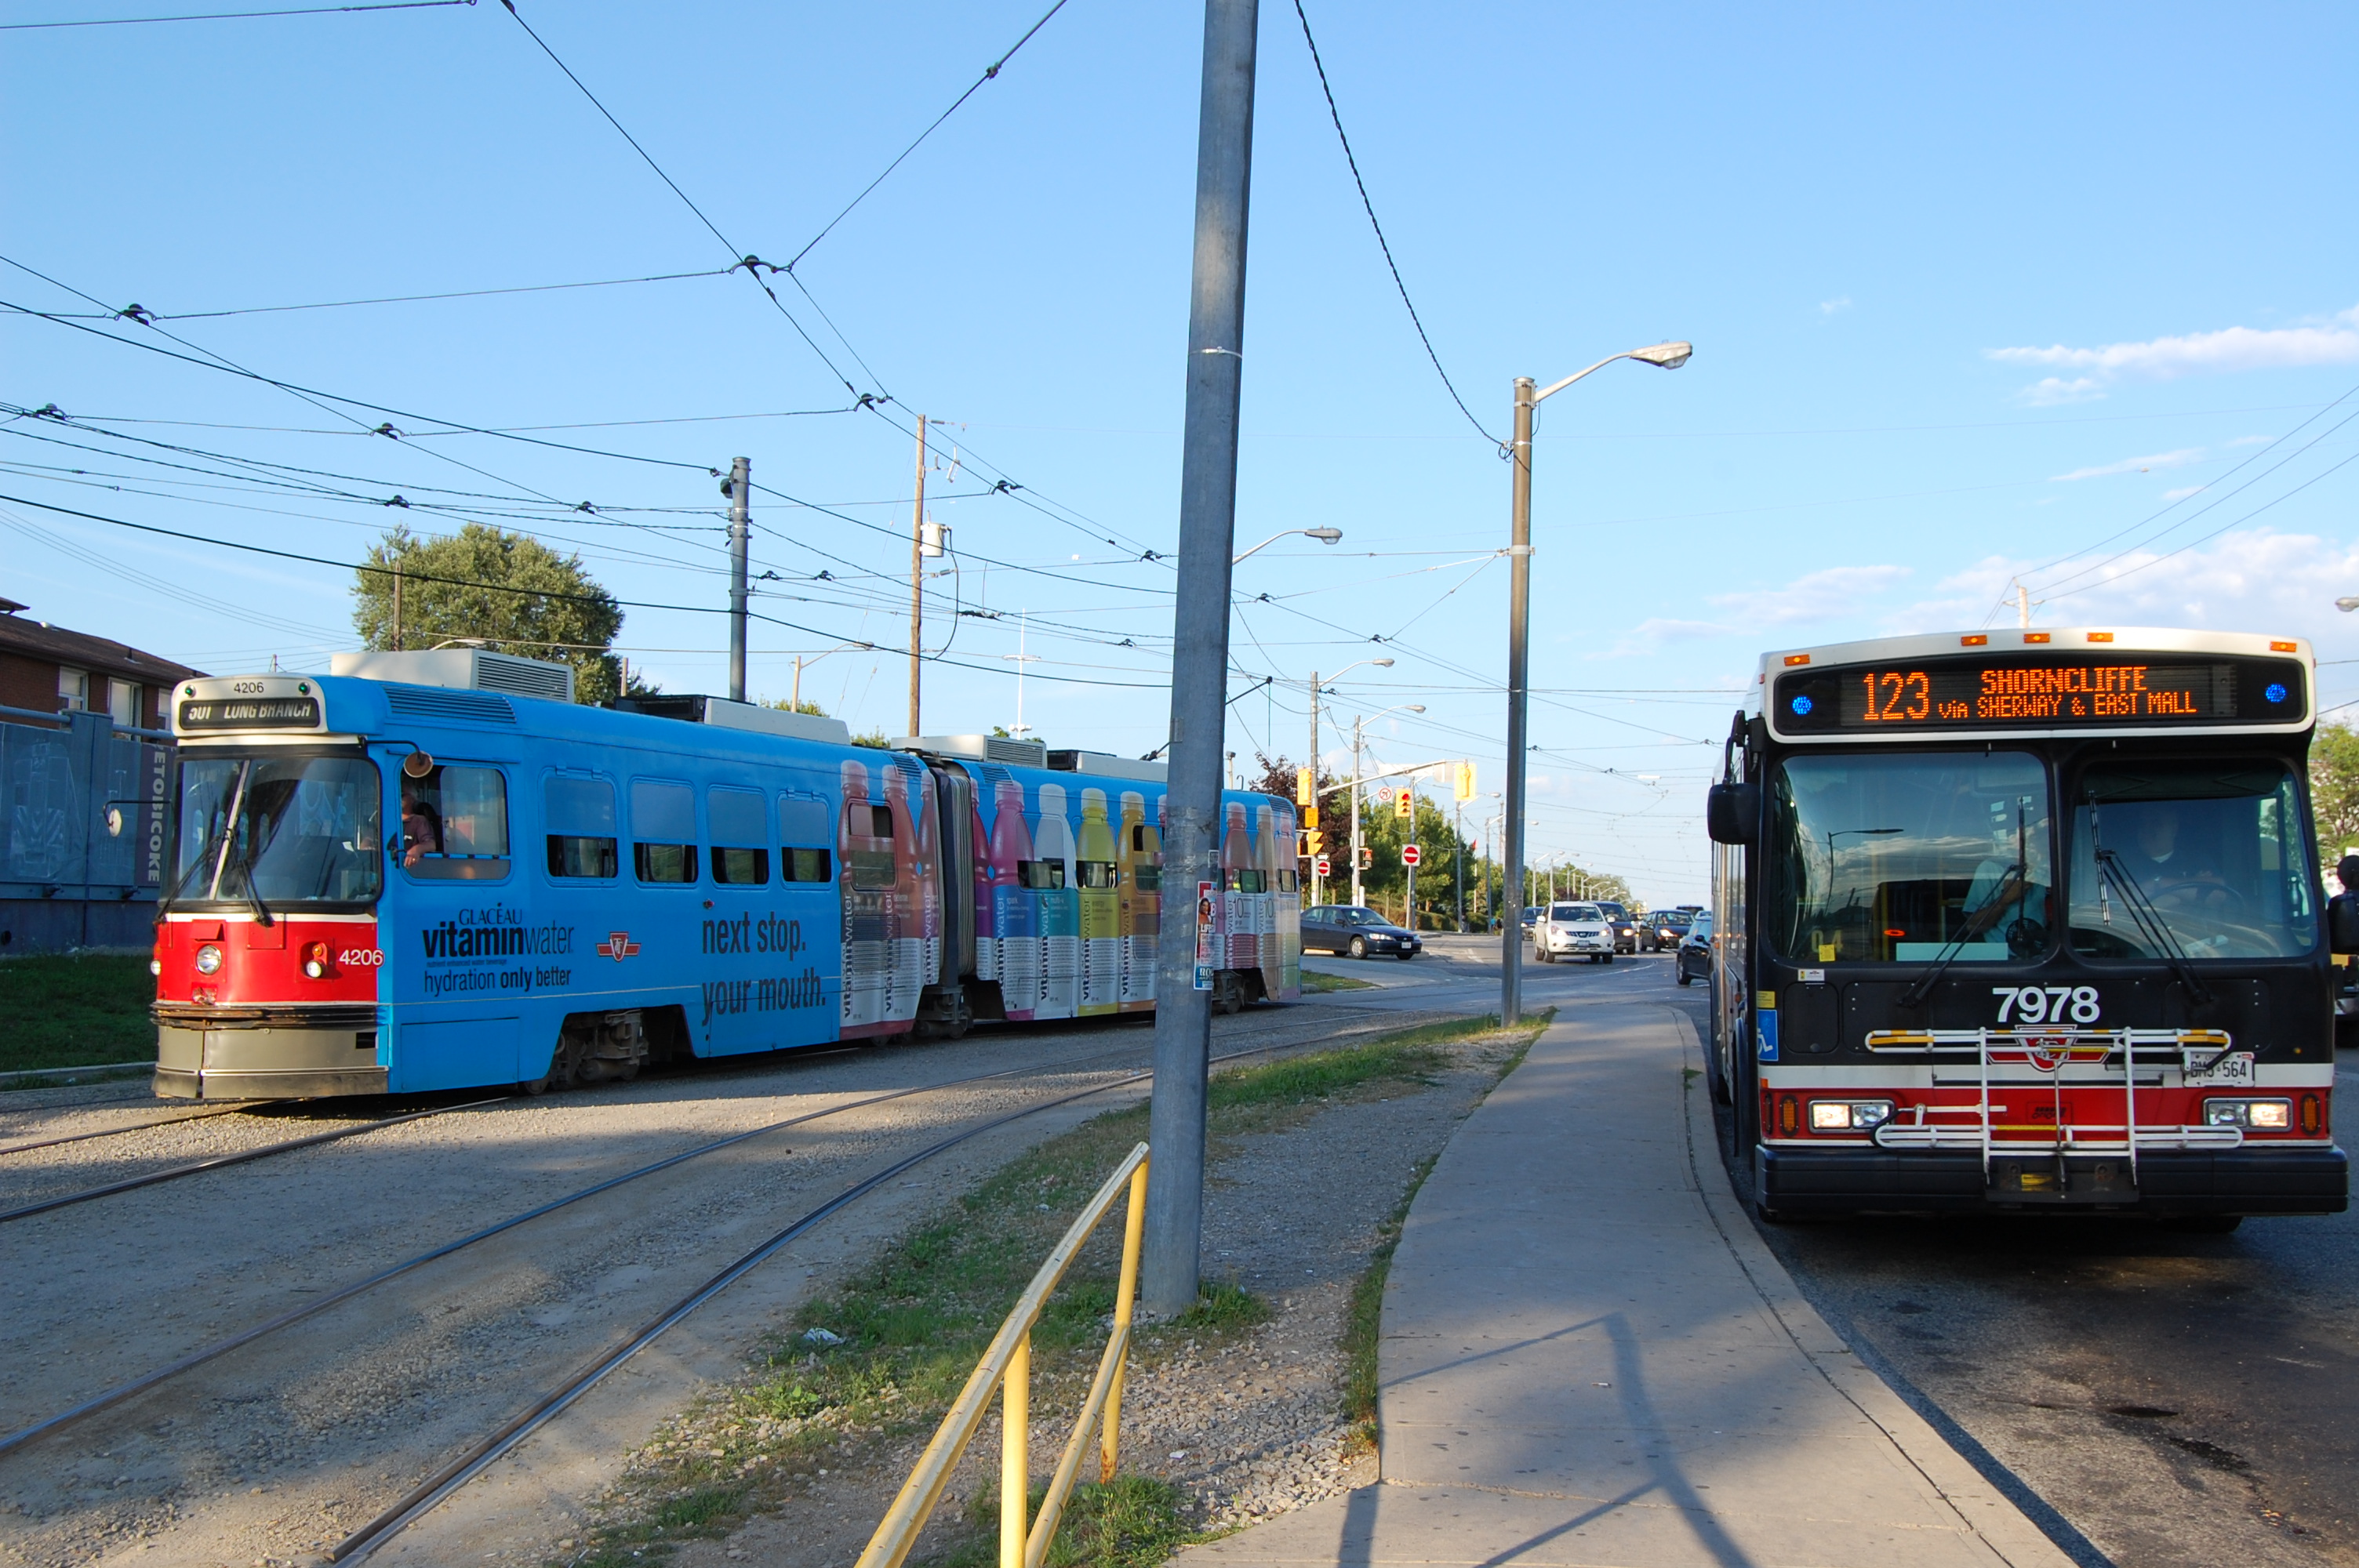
{"type": "Point", "coordinates": [2305, 1180]}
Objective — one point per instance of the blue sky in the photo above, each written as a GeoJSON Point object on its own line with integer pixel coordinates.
{"type": "Point", "coordinates": [1973, 291]}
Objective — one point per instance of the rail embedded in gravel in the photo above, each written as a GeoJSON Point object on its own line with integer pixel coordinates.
{"type": "Point", "coordinates": [137, 1126]}
{"type": "Point", "coordinates": [430, 1492]}
{"type": "Point", "coordinates": [145, 1381]}
{"type": "Point", "coordinates": [219, 1161]}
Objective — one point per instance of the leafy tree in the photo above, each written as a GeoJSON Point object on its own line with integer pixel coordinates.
{"type": "Point", "coordinates": [789, 705]}
{"type": "Point", "coordinates": [875, 739]}
{"type": "Point", "coordinates": [568, 615]}
{"type": "Point", "coordinates": [2334, 789]}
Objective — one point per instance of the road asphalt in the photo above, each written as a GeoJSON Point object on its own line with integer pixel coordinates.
{"type": "Point", "coordinates": [1589, 1358]}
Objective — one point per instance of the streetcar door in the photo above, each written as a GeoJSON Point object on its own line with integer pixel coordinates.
{"type": "Point", "coordinates": [462, 976]}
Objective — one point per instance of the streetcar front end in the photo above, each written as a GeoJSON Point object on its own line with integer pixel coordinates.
{"type": "Point", "coordinates": [2034, 924]}
{"type": "Point", "coordinates": [267, 956]}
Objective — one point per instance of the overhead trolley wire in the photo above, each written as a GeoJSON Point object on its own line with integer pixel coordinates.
{"type": "Point", "coordinates": [422, 298]}
{"type": "Point", "coordinates": [235, 15]}
{"type": "Point", "coordinates": [1382, 244]}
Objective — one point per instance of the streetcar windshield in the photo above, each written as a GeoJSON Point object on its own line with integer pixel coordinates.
{"type": "Point", "coordinates": [1910, 858]}
{"type": "Point", "coordinates": [2208, 858]}
{"type": "Point", "coordinates": [278, 830]}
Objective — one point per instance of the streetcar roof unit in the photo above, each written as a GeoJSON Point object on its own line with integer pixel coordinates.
{"type": "Point", "coordinates": [2013, 684]}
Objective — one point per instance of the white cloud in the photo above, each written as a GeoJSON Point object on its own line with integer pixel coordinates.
{"type": "Point", "coordinates": [2332, 341]}
{"type": "Point", "coordinates": [1818, 596]}
{"type": "Point", "coordinates": [1830, 307]}
{"type": "Point", "coordinates": [2251, 441]}
{"type": "Point", "coordinates": [2182, 493]}
{"type": "Point", "coordinates": [2246, 581]}
{"type": "Point", "coordinates": [2050, 391]}
{"type": "Point", "coordinates": [2177, 459]}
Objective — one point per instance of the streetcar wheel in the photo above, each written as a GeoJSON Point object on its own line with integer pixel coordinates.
{"type": "Point", "coordinates": [1232, 993]}
{"type": "Point", "coordinates": [1359, 947]}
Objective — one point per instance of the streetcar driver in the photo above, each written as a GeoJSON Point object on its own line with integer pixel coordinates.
{"type": "Point", "coordinates": [421, 828]}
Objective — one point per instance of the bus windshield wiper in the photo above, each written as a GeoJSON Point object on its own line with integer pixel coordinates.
{"type": "Point", "coordinates": [2009, 889]}
{"type": "Point", "coordinates": [2148, 919]}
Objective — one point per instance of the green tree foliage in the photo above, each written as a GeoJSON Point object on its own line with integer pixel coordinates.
{"type": "Point", "coordinates": [2334, 789]}
{"type": "Point", "coordinates": [789, 705]}
{"type": "Point", "coordinates": [570, 618]}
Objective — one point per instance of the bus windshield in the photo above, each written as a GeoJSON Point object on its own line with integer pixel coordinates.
{"type": "Point", "coordinates": [1910, 858]}
{"type": "Point", "coordinates": [2209, 858]}
{"type": "Point", "coordinates": [277, 830]}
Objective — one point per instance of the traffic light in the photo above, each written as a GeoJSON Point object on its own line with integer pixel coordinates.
{"type": "Point", "coordinates": [1311, 815]}
{"type": "Point", "coordinates": [1314, 842]}
{"type": "Point", "coordinates": [1367, 859]}
{"type": "Point", "coordinates": [1466, 781]}
{"type": "Point", "coordinates": [1404, 804]}
{"type": "Point", "coordinates": [1305, 791]}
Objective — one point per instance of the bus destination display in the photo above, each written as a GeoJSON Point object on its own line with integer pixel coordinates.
{"type": "Point", "coordinates": [2039, 692]}
{"type": "Point", "coordinates": [250, 713]}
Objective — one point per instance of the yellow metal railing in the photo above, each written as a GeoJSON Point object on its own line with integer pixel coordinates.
{"type": "Point", "coordinates": [1008, 1364]}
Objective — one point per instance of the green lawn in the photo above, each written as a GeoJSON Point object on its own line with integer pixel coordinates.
{"type": "Point", "coordinates": [75, 1010]}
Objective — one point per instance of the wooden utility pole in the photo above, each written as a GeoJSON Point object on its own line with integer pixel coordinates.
{"type": "Point", "coordinates": [917, 576]}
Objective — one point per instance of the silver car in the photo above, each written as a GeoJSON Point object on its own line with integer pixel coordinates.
{"type": "Point", "coordinates": [1570, 930]}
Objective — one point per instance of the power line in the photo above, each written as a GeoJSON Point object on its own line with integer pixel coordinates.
{"type": "Point", "coordinates": [137, 312]}
{"type": "Point", "coordinates": [751, 263]}
{"type": "Point", "coordinates": [990, 72]}
{"type": "Point", "coordinates": [235, 16]}
{"type": "Point", "coordinates": [1337, 115]}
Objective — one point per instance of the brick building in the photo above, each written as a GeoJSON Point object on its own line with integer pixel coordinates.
{"type": "Point", "coordinates": [48, 669]}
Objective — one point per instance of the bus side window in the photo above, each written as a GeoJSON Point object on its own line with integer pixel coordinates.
{"type": "Point", "coordinates": [581, 826]}
{"type": "Point", "coordinates": [741, 836]}
{"type": "Point", "coordinates": [804, 855]}
{"type": "Point", "coordinates": [454, 824]}
{"type": "Point", "coordinates": [663, 831]}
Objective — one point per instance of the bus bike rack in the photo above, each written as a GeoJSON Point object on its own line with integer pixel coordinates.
{"type": "Point", "coordinates": [2051, 1052]}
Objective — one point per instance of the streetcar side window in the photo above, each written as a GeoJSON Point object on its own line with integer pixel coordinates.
{"type": "Point", "coordinates": [741, 836]}
{"type": "Point", "coordinates": [803, 853]}
{"type": "Point", "coordinates": [455, 823]}
{"type": "Point", "coordinates": [663, 831]}
{"type": "Point", "coordinates": [581, 826]}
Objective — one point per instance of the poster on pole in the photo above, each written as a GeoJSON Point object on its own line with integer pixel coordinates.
{"type": "Point", "coordinates": [1205, 937]}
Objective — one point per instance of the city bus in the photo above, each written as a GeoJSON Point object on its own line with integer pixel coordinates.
{"type": "Point", "coordinates": [2027, 921]}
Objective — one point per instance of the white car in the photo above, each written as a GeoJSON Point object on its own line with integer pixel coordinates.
{"type": "Point", "coordinates": [1565, 930]}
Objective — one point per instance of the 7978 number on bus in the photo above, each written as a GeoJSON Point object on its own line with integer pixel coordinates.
{"type": "Point", "coordinates": [2047, 1004]}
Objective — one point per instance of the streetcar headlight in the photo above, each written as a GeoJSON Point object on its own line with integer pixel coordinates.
{"type": "Point", "coordinates": [155, 966]}
{"type": "Point", "coordinates": [209, 959]}
{"type": "Point", "coordinates": [1849, 1115]}
{"type": "Point", "coordinates": [2262, 1115]}
{"type": "Point", "coordinates": [315, 959]}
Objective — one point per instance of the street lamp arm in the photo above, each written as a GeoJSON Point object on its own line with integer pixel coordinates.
{"type": "Point", "coordinates": [1667, 356]}
{"type": "Point", "coordinates": [1324, 535]}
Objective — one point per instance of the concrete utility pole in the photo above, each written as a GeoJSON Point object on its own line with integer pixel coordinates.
{"type": "Point", "coordinates": [1199, 653]}
{"type": "Point", "coordinates": [1519, 602]}
{"type": "Point", "coordinates": [741, 527]}
{"type": "Point", "coordinates": [1357, 724]}
{"type": "Point", "coordinates": [1458, 855]}
{"type": "Point", "coordinates": [917, 574]}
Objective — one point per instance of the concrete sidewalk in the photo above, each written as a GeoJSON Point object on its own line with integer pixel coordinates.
{"type": "Point", "coordinates": [1589, 1358]}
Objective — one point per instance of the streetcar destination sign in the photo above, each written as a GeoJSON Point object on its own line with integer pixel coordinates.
{"type": "Point", "coordinates": [250, 713]}
{"type": "Point", "coordinates": [2041, 691]}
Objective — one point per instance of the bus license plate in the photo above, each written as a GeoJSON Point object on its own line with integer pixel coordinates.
{"type": "Point", "coordinates": [2233, 1071]}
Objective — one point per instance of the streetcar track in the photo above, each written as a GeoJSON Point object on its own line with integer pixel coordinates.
{"type": "Point", "coordinates": [435, 1488]}
{"type": "Point", "coordinates": [136, 1126]}
{"type": "Point", "coordinates": [1334, 1030]}
{"type": "Point", "coordinates": [219, 1161]}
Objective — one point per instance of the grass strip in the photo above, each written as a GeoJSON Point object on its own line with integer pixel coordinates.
{"type": "Point", "coordinates": [879, 1360]}
{"type": "Point", "coordinates": [75, 1010]}
{"type": "Point", "coordinates": [1316, 982]}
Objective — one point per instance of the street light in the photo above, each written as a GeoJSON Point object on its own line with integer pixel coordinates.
{"type": "Point", "coordinates": [2346, 604]}
{"type": "Point", "coordinates": [1347, 669]}
{"type": "Point", "coordinates": [1358, 725]}
{"type": "Point", "coordinates": [800, 662]}
{"type": "Point", "coordinates": [1664, 356]}
{"type": "Point", "coordinates": [1324, 535]}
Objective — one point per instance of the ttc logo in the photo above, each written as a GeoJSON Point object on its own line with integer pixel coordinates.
{"type": "Point", "coordinates": [618, 947]}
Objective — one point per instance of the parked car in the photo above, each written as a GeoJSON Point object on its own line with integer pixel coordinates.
{"type": "Point", "coordinates": [1569, 930]}
{"type": "Point", "coordinates": [1692, 961]}
{"type": "Point", "coordinates": [1666, 929]}
{"type": "Point", "coordinates": [1625, 928]}
{"type": "Point", "coordinates": [1356, 931]}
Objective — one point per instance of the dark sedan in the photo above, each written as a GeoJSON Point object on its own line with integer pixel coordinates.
{"type": "Point", "coordinates": [1625, 930]}
{"type": "Point", "coordinates": [1359, 932]}
{"type": "Point", "coordinates": [1692, 962]}
{"type": "Point", "coordinates": [1666, 929]}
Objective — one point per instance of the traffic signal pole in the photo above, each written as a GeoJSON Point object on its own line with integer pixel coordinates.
{"type": "Point", "coordinates": [1199, 653]}
{"type": "Point", "coordinates": [1314, 780]}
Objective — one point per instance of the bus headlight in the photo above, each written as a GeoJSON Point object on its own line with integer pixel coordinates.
{"type": "Point", "coordinates": [2260, 1115]}
{"type": "Point", "coordinates": [209, 959]}
{"type": "Point", "coordinates": [1849, 1115]}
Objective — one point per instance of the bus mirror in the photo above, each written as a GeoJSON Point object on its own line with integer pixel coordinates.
{"type": "Point", "coordinates": [2343, 925]}
{"type": "Point", "coordinates": [1731, 810]}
